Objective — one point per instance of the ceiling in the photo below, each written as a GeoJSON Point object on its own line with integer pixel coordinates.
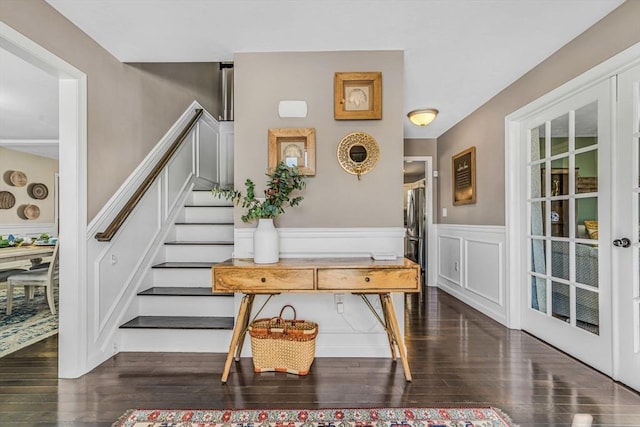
{"type": "Point", "coordinates": [458, 53]}
{"type": "Point", "coordinates": [28, 107]}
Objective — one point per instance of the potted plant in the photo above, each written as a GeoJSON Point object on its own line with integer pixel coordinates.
{"type": "Point", "coordinates": [283, 182]}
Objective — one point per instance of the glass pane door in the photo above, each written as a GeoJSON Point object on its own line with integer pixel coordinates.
{"type": "Point", "coordinates": [564, 218]}
{"type": "Point", "coordinates": [567, 145]}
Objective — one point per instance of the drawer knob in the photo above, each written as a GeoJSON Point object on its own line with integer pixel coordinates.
{"type": "Point", "coordinates": [367, 279]}
{"type": "Point", "coordinates": [263, 279]}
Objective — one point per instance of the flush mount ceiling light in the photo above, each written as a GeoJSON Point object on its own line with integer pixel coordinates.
{"type": "Point", "coordinates": [423, 116]}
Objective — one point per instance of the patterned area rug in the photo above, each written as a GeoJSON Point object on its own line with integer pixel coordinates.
{"type": "Point", "coordinates": [378, 417]}
{"type": "Point", "coordinates": [29, 322]}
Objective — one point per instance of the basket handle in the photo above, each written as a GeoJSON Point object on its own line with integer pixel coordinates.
{"type": "Point", "coordinates": [291, 307]}
{"type": "Point", "coordinates": [278, 322]}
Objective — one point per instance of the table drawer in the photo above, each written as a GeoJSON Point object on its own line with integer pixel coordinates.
{"type": "Point", "coordinates": [262, 280]}
{"type": "Point", "coordinates": [362, 279]}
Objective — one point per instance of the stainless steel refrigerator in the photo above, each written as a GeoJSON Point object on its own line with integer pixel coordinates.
{"type": "Point", "coordinates": [415, 227]}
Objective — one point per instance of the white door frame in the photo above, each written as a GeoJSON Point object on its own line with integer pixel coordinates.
{"type": "Point", "coordinates": [72, 341]}
{"type": "Point", "coordinates": [516, 184]}
{"type": "Point", "coordinates": [431, 242]}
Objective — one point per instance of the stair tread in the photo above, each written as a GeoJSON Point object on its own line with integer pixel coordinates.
{"type": "Point", "coordinates": [196, 242]}
{"type": "Point", "coordinates": [203, 187]}
{"type": "Point", "coordinates": [185, 264]}
{"type": "Point", "coordinates": [205, 223]}
{"type": "Point", "coordinates": [191, 205]}
{"type": "Point", "coordinates": [179, 322]}
{"type": "Point", "coordinates": [202, 184]}
{"type": "Point", "coordinates": [182, 291]}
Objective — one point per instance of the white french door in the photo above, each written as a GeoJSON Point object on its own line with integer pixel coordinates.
{"type": "Point", "coordinates": [567, 291]}
{"type": "Point", "coordinates": [626, 228]}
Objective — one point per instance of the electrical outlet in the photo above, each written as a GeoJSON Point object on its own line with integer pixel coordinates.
{"type": "Point", "coordinates": [339, 299]}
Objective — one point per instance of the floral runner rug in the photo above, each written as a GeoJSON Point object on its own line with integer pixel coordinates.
{"type": "Point", "coordinates": [376, 417]}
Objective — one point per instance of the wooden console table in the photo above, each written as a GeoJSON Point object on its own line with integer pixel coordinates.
{"type": "Point", "coordinates": [336, 275]}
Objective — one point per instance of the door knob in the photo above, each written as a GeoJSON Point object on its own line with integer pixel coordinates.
{"type": "Point", "coordinates": [622, 243]}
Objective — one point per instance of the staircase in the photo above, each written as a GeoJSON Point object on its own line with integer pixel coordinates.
{"type": "Point", "coordinates": [178, 310]}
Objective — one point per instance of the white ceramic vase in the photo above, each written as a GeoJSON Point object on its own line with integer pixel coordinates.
{"type": "Point", "coordinates": [266, 242]}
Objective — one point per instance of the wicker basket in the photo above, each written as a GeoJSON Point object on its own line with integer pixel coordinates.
{"type": "Point", "coordinates": [283, 345]}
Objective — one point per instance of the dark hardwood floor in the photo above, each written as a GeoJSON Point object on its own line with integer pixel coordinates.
{"type": "Point", "coordinates": [458, 357]}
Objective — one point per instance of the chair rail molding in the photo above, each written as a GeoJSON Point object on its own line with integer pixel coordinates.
{"type": "Point", "coordinates": [327, 242]}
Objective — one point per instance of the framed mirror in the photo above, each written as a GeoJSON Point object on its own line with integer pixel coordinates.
{"type": "Point", "coordinates": [358, 153]}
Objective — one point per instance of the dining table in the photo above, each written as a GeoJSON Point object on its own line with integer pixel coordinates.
{"type": "Point", "coordinates": [25, 252]}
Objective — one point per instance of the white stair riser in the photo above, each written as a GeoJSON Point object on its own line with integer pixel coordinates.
{"type": "Point", "coordinates": [204, 233]}
{"type": "Point", "coordinates": [206, 198]}
{"type": "Point", "coordinates": [198, 253]}
{"type": "Point", "coordinates": [208, 214]}
{"type": "Point", "coordinates": [175, 340]}
{"type": "Point", "coordinates": [182, 277]}
{"type": "Point", "coordinates": [157, 305]}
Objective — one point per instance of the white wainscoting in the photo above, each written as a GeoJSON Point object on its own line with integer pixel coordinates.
{"type": "Point", "coordinates": [471, 267]}
{"type": "Point", "coordinates": [355, 332]}
{"type": "Point", "coordinates": [117, 270]}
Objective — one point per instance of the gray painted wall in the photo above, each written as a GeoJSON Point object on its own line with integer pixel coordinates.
{"type": "Point", "coordinates": [421, 147]}
{"type": "Point", "coordinates": [484, 128]}
{"type": "Point", "coordinates": [333, 197]}
{"type": "Point", "coordinates": [129, 107]}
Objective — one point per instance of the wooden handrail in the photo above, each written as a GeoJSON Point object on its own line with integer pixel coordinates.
{"type": "Point", "coordinates": [112, 229]}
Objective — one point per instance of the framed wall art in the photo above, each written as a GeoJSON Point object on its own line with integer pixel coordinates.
{"type": "Point", "coordinates": [295, 147]}
{"type": "Point", "coordinates": [463, 166]}
{"type": "Point", "coordinates": [358, 96]}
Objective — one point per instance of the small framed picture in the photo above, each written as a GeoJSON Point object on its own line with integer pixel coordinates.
{"type": "Point", "coordinates": [358, 96]}
{"type": "Point", "coordinates": [296, 147]}
{"type": "Point", "coordinates": [464, 177]}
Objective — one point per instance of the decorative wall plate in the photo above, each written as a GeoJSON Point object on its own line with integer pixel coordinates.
{"type": "Point", "coordinates": [18, 178]}
{"type": "Point", "coordinates": [7, 200]}
{"type": "Point", "coordinates": [28, 211]}
{"type": "Point", "coordinates": [358, 153]}
{"type": "Point", "coordinates": [38, 191]}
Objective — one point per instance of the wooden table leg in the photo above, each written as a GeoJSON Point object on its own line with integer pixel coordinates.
{"type": "Point", "coordinates": [245, 325]}
{"type": "Point", "coordinates": [241, 320]}
{"type": "Point", "coordinates": [387, 327]}
{"type": "Point", "coordinates": [390, 316]}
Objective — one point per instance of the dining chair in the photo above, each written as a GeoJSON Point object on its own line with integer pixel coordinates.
{"type": "Point", "coordinates": [4, 274]}
{"type": "Point", "coordinates": [32, 279]}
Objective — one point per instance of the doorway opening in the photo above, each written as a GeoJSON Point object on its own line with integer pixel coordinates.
{"type": "Point", "coordinates": [418, 215]}
{"type": "Point", "coordinates": [72, 125]}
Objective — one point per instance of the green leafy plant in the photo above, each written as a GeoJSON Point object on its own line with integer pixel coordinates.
{"type": "Point", "coordinates": [283, 181]}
